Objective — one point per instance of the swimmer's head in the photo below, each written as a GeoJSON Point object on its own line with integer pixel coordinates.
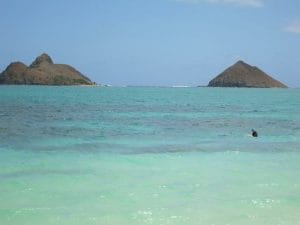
{"type": "Point", "coordinates": [254, 133]}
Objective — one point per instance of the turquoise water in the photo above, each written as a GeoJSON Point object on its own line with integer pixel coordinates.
{"type": "Point", "coordinates": [92, 155]}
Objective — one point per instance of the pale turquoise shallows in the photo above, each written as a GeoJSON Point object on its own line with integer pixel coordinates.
{"type": "Point", "coordinates": [161, 156]}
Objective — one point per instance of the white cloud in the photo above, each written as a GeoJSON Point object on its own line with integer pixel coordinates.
{"type": "Point", "coordinates": [293, 27]}
{"type": "Point", "coordinates": [250, 3]}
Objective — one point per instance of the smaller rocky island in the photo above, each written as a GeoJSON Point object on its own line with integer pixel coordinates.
{"type": "Point", "coordinates": [242, 74]}
{"type": "Point", "coordinates": [43, 71]}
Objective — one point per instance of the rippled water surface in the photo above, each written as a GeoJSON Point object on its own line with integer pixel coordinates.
{"type": "Point", "coordinates": [91, 155]}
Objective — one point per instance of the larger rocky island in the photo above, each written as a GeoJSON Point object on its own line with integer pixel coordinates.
{"type": "Point", "coordinates": [242, 74]}
{"type": "Point", "coordinates": [43, 71]}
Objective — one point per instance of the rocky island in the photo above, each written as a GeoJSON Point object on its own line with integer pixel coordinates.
{"type": "Point", "coordinates": [242, 74]}
{"type": "Point", "coordinates": [43, 72]}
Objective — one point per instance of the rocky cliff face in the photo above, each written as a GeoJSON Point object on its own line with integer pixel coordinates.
{"type": "Point", "coordinates": [43, 71]}
{"type": "Point", "coordinates": [243, 75]}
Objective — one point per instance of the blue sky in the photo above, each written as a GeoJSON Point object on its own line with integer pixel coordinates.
{"type": "Point", "coordinates": [154, 42]}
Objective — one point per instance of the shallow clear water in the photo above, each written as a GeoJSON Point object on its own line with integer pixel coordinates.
{"type": "Point", "coordinates": [82, 155]}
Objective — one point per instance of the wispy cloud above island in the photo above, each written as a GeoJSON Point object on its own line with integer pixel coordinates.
{"type": "Point", "coordinates": [293, 27]}
{"type": "Point", "coordinates": [245, 3]}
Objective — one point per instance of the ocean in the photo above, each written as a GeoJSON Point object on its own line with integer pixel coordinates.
{"type": "Point", "coordinates": [148, 155]}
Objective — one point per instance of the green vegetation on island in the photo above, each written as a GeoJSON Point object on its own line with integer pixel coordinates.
{"type": "Point", "coordinates": [43, 72]}
{"type": "Point", "coordinates": [242, 74]}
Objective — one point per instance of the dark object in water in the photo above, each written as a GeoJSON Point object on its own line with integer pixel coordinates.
{"type": "Point", "coordinates": [254, 133]}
